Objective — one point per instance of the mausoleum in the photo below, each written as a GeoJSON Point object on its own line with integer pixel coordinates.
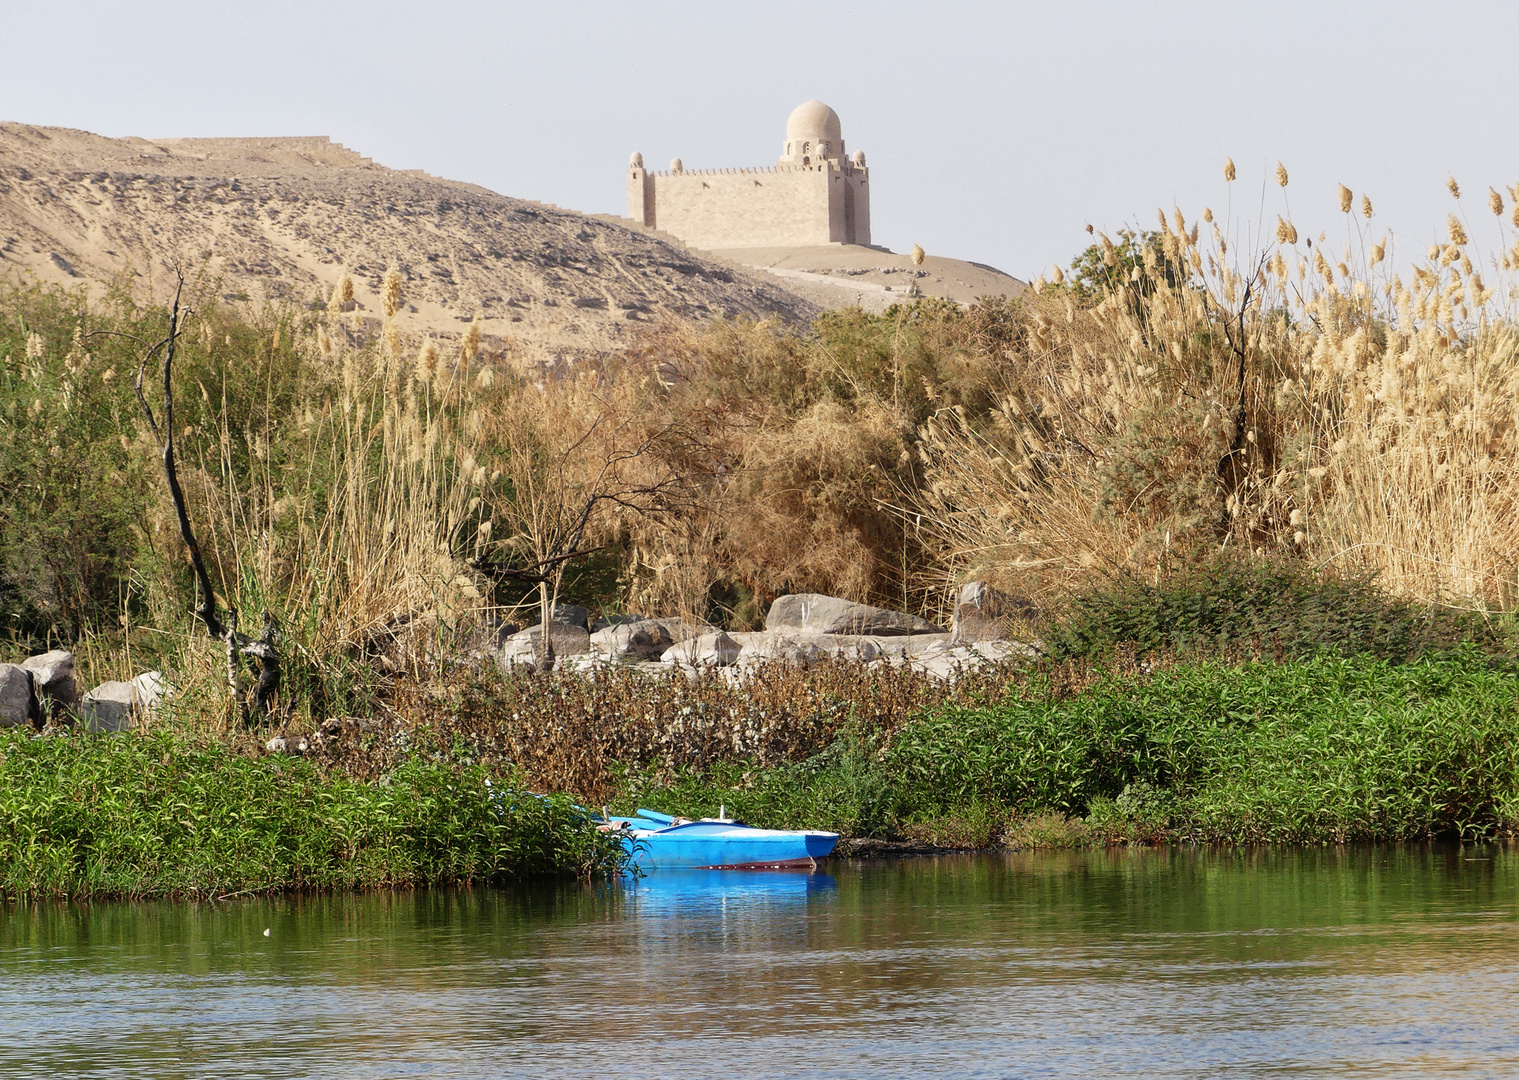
{"type": "Point", "coordinates": [813, 195]}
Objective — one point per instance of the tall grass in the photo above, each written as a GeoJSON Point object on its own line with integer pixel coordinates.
{"type": "Point", "coordinates": [357, 528]}
{"type": "Point", "coordinates": [1232, 389]}
{"type": "Point", "coordinates": [1176, 400]}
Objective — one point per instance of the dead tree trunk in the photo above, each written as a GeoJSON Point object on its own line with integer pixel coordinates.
{"type": "Point", "coordinates": [262, 650]}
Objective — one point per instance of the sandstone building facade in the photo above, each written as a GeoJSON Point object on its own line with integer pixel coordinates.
{"type": "Point", "coordinates": [814, 194]}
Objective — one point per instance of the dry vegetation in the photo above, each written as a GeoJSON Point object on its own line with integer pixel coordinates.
{"type": "Point", "coordinates": [390, 496]}
{"type": "Point", "coordinates": [1122, 434]}
{"type": "Point", "coordinates": [1289, 403]}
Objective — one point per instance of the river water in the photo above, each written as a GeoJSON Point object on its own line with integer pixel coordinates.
{"type": "Point", "coordinates": [1398, 961]}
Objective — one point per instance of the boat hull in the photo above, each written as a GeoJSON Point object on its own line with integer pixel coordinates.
{"type": "Point", "coordinates": [719, 846]}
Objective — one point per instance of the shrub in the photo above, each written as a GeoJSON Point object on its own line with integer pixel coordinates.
{"type": "Point", "coordinates": [1274, 608]}
{"type": "Point", "coordinates": [154, 816]}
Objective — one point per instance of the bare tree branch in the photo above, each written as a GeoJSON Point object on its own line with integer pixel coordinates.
{"type": "Point", "coordinates": [261, 649]}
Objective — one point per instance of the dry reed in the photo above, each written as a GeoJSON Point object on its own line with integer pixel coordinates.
{"type": "Point", "coordinates": [1284, 404]}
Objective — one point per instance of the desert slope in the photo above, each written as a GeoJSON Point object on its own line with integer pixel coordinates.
{"type": "Point", "coordinates": [284, 218]}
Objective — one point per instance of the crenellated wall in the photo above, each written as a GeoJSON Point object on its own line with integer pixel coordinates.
{"type": "Point", "coordinates": [780, 206]}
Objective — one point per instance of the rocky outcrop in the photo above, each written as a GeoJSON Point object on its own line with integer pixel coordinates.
{"type": "Point", "coordinates": [806, 649]}
{"type": "Point", "coordinates": [53, 677]}
{"type": "Point", "coordinates": [708, 650]}
{"type": "Point", "coordinates": [819, 614]}
{"type": "Point", "coordinates": [646, 639]}
{"type": "Point", "coordinates": [803, 630]}
{"type": "Point", "coordinates": [152, 689]}
{"type": "Point", "coordinates": [16, 703]}
{"type": "Point", "coordinates": [983, 613]}
{"type": "Point", "coordinates": [523, 649]}
{"type": "Point", "coordinates": [110, 707]}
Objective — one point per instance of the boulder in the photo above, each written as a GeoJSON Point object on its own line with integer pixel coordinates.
{"type": "Point", "coordinates": [152, 690]}
{"type": "Point", "coordinates": [777, 647]}
{"type": "Point", "coordinates": [501, 631]}
{"type": "Point", "coordinates": [16, 702]}
{"type": "Point", "coordinates": [110, 707]}
{"type": "Point", "coordinates": [818, 614]}
{"type": "Point", "coordinates": [571, 615]}
{"type": "Point", "coordinates": [804, 650]}
{"type": "Point", "coordinates": [522, 648]}
{"type": "Point", "coordinates": [603, 622]}
{"type": "Point", "coordinates": [708, 650]}
{"type": "Point", "coordinates": [585, 663]}
{"type": "Point", "coordinates": [53, 676]}
{"type": "Point", "coordinates": [644, 640]}
{"type": "Point", "coordinates": [983, 613]}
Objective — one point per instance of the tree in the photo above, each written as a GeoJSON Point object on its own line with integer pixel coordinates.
{"type": "Point", "coordinates": [262, 649]}
{"type": "Point", "coordinates": [577, 458]}
{"type": "Point", "coordinates": [1103, 267]}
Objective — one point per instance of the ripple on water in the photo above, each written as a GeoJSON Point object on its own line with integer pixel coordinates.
{"type": "Point", "coordinates": [1374, 961]}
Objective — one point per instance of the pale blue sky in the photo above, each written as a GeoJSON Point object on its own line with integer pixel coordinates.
{"type": "Point", "coordinates": [995, 131]}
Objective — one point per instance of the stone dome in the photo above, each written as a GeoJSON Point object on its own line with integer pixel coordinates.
{"type": "Point", "coordinates": [813, 120]}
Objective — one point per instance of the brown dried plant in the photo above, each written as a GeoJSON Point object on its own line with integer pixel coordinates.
{"type": "Point", "coordinates": [1346, 418]}
{"type": "Point", "coordinates": [374, 549]}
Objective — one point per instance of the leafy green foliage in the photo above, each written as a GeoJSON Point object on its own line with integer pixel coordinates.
{"type": "Point", "coordinates": [155, 815]}
{"type": "Point", "coordinates": [84, 528]}
{"type": "Point", "coordinates": [1273, 608]}
{"type": "Point", "coordinates": [1323, 749]}
{"type": "Point", "coordinates": [1327, 749]}
{"type": "Point", "coordinates": [1096, 272]}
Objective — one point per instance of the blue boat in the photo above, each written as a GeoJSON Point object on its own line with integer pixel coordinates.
{"type": "Point", "coordinates": [658, 841]}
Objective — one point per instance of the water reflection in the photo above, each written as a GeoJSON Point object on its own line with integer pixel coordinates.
{"type": "Point", "coordinates": [690, 892]}
{"type": "Point", "coordinates": [1126, 963]}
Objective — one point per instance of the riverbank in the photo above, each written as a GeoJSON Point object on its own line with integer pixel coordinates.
{"type": "Point", "coordinates": [159, 815]}
{"type": "Point", "coordinates": [1318, 750]}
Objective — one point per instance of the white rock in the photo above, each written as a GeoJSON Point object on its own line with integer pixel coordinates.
{"type": "Point", "coordinates": [709, 650]}
{"type": "Point", "coordinates": [645, 639]}
{"type": "Point", "coordinates": [53, 676]}
{"type": "Point", "coordinates": [585, 663]}
{"type": "Point", "coordinates": [772, 647]}
{"type": "Point", "coordinates": [152, 689]}
{"type": "Point", "coordinates": [522, 649]}
{"type": "Point", "coordinates": [819, 614]}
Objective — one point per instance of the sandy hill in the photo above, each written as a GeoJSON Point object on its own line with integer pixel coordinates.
{"type": "Point", "coordinates": [285, 217]}
{"type": "Point", "coordinates": [839, 275]}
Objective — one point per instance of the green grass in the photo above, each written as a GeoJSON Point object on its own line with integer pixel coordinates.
{"type": "Point", "coordinates": [156, 815]}
{"type": "Point", "coordinates": [1324, 749]}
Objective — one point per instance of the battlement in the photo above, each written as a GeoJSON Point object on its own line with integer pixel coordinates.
{"type": "Point", "coordinates": [757, 169]}
{"type": "Point", "coordinates": [813, 195]}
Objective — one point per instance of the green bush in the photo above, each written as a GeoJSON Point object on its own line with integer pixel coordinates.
{"type": "Point", "coordinates": [154, 815]}
{"type": "Point", "coordinates": [1325, 749]}
{"type": "Point", "coordinates": [1277, 609]}
{"type": "Point", "coordinates": [85, 529]}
